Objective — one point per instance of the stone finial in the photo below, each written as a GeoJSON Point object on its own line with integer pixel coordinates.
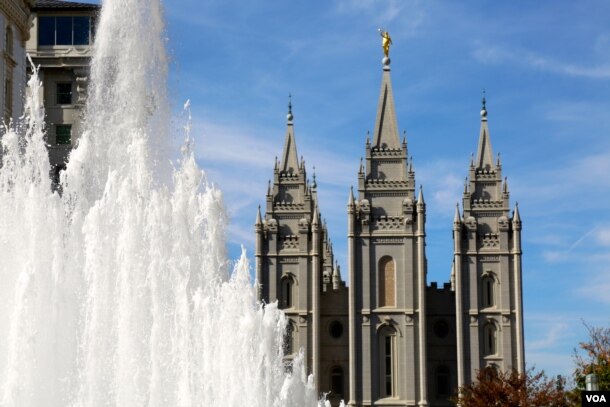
{"type": "Point", "coordinates": [259, 220]}
{"type": "Point", "coordinates": [350, 200]}
{"type": "Point", "coordinates": [484, 107]}
{"type": "Point", "coordinates": [456, 218]}
{"type": "Point", "coordinates": [420, 196]}
{"type": "Point", "coordinates": [516, 216]}
{"type": "Point", "coordinates": [314, 184]}
{"type": "Point", "coordinates": [289, 116]}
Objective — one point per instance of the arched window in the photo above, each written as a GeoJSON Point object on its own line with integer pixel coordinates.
{"type": "Point", "coordinates": [286, 300]}
{"type": "Point", "coordinates": [8, 41]}
{"type": "Point", "coordinates": [443, 382]}
{"type": "Point", "coordinates": [490, 339]}
{"type": "Point", "coordinates": [488, 294]}
{"type": "Point", "coordinates": [387, 282]}
{"type": "Point", "coordinates": [387, 361]}
{"type": "Point", "coordinates": [289, 339]}
{"type": "Point", "coordinates": [336, 381]}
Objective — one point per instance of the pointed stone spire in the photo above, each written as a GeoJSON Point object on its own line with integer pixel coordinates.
{"type": "Point", "coordinates": [350, 200]}
{"type": "Point", "coordinates": [259, 220]}
{"type": "Point", "coordinates": [290, 158]}
{"type": "Point", "coordinates": [484, 152]}
{"type": "Point", "coordinates": [336, 277]}
{"type": "Point", "coordinates": [457, 218]}
{"type": "Point", "coordinates": [361, 169]}
{"type": "Point", "coordinates": [386, 127]}
{"type": "Point", "coordinates": [269, 188]}
{"type": "Point", "coordinates": [516, 216]}
{"type": "Point", "coordinates": [420, 196]}
{"type": "Point", "coordinates": [316, 216]}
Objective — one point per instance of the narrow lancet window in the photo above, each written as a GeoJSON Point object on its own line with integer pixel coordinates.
{"type": "Point", "coordinates": [387, 373]}
{"type": "Point", "coordinates": [387, 282]}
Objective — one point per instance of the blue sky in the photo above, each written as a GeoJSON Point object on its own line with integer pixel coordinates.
{"type": "Point", "coordinates": [545, 67]}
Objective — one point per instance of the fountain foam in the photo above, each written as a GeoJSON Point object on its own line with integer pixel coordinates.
{"type": "Point", "coordinates": [117, 292]}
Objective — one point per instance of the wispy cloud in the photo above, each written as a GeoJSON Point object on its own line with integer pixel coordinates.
{"type": "Point", "coordinates": [494, 54]}
{"type": "Point", "coordinates": [555, 332]}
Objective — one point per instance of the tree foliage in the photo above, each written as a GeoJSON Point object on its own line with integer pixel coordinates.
{"type": "Point", "coordinates": [592, 356]}
{"type": "Point", "coordinates": [512, 389]}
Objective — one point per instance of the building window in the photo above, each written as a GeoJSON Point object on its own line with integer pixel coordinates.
{"type": "Point", "coordinates": [288, 345]}
{"type": "Point", "coordinates": [8, 41]}
{"type": "Point", "coordinates": [64, 30]}
{"type": "Point", "coordinates": [336, 329]}
{"type": "Point", "coordinates": [443, 383]}
{"type": "Point", "coordinates": [287, 292]}
{"type": "Point", "coordinates": [387, 282]}
{"type": "Point", "coordinates": [387, 368]}
{"type": "Point", "coordinates": [64, 93]}
{"type": "Point", "coordinates": [8, 95]}
{"type": "Point", "coordinates": [336, 381]}
{"type": "Point", "coordinates": [63, 134]}
{"type": "Point", "coordinates": [488, 284]}
{"type": "Point", "coordinates": [490, 339]}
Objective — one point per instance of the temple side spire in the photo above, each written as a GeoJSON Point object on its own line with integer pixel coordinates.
{"type": "Point", "coordinates": [485, 157]}
{"type": "Point", "coordinates": [290, 158]}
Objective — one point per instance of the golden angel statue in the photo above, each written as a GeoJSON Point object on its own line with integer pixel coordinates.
{"type": "Point", "coordinates": [385, 42]}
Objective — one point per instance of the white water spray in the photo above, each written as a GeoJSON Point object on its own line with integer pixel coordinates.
{"type": "Point", "coordinates": [117, 292]}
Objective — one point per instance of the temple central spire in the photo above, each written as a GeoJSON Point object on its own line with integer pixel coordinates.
{"type": "Point", "coordinates": [386, 126]}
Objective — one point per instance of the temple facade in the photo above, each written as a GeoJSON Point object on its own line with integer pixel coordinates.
{"type": "Point", "coordinates": [390, 338]}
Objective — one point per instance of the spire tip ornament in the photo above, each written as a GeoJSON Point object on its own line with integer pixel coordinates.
{"type": "Point", "coordinates": [386, 41]}
{"type": "Point", "coordinates": [289, 116]}
{"type": "Point", "coordinates": [484, 107]}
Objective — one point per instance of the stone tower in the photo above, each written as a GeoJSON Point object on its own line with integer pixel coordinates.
{"type": "Point", "coordinates": [387, 270]}
{"type": "Point", "coordinates": [487, 269]}
{"type": "Point", "coordinates": [294, 266]}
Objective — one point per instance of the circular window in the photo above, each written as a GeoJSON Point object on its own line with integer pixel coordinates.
{"type": "Point", "coordinates": [441, 328]}
{"type": "Point", "coordinates": [336, 329]}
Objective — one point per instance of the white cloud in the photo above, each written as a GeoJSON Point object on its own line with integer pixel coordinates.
{"type": "Point", "coordinates": [603, 236]}
{"type": "Point", "coordinates": [553, 334]}
{"type": "Point", "coordinates": [494, 54]}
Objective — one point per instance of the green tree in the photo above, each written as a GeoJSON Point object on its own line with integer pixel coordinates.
{"type": "Point", "coordinates": [592, 356]}
{"type": "Point", "coordinates": [512, 389]}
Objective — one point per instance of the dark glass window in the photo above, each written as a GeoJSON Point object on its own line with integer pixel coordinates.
{"type": "Point", "coordinates": [46, 31]}
{"type": "Point", "coordinates": [81, 30]}
{"type": "Point", "coordinates": [388, 365]}
{"type": "Point", "coordinates": [63, 133]}
{"type": "Point", "coordinates": [63, 30]}
{"type": "Point", "coordinates": [64, 93]}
